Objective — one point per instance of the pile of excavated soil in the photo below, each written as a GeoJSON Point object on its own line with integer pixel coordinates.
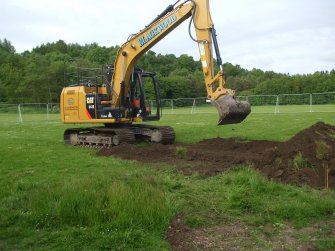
{"type": "Point", "coordinates": [300, 160]}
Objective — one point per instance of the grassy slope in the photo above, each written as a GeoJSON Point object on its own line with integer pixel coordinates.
{"type": "Point", "coordinates": [63, 198]}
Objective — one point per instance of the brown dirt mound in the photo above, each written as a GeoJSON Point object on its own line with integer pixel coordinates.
{"type": "Point", "coordinates": [299, 160]}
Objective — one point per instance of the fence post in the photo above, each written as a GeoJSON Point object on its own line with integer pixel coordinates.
{"type": "Point", "coordinates": [47, 111]}
{"type": "Point", "coordinates": [193, 107]}
{"type": "Point", "coordinates": [20, 115]}
{"type": "Point", "coordinates": [172, 106]}
{"type": "Point", "coordinates": [277, 105]}
{"type": "Point", "coordinates": [310, 102]}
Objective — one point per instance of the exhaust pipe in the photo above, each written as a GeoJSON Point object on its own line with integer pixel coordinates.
{"type": "Point", "coordinates": [231, 111]}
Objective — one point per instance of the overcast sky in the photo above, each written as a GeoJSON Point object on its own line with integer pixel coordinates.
{"type": "Point", "coordinates": [289, 36]}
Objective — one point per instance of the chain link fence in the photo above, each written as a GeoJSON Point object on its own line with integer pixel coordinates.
{"type": "Point", "coordinates": [282, 103]}
{"type": "Point", "coordinates": [27, 112]}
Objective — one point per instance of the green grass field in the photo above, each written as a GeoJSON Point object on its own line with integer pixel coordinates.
{"type": "Point", "coordinates": [57, 197]}
{"type": "Point", "coordinates": [255, 109]}
{"type": "Point", "coordinates": [33, 114]}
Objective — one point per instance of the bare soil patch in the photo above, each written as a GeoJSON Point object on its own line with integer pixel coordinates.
{"type": "Point", "coordinates": [300, 160]}
{"type": "Point", "coordinates": [238, 236]}
{"type": "Point", "coordinates": [227, 237]}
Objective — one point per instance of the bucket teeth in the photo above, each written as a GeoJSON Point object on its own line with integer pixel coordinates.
{"type": "Point", "coordinates": [231, 111]}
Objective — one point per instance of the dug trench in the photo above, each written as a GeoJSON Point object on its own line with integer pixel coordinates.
{"type": "Point", "coordinates": [303, 159]}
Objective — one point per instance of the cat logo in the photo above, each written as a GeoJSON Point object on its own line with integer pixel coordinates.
{"type": "Point", "coordinates": [90, 100]}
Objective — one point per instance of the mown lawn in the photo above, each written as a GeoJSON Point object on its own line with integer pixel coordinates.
{"type": "Point", "coordinates": [57, 197]}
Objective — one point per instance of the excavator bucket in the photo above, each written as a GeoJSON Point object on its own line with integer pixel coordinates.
{"type": "Point", "coordinates": [231, 111]}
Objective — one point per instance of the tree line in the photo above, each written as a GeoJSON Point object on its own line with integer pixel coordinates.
{"type": "Point", "coordinates": [38, 75]}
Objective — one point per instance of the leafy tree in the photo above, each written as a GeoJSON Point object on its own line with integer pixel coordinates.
{"type": "Point", "coordinates": [37, 75]}
{"type": "Point", "coordinates": [98, 55]}
{"type": "Point", "coordinates": [7, 46]}
{"type": "Point", "coordinates": [3, 92]}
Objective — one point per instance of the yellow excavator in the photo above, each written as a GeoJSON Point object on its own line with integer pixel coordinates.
{"type": "Point", "coordinates": [120, 103]}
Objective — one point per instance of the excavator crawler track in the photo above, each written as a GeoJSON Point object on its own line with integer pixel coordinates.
{"type": "Point", "coordinates": [98, 136]}
{"type": "Point", "coordinates": [105, 137]}
{"type": "Point", "coordinates": [157, 134]}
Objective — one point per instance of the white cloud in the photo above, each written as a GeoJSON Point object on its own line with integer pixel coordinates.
{"type": "Point", "coordinates": [295, 36]}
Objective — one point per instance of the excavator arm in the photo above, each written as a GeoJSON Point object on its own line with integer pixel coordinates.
{"type": "Point", "coordinates": [230, 110]}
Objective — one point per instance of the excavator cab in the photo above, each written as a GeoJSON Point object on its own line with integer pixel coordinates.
{"type": "Point", "coordinates": [144, 95]}
{"type": "Point", "coordinates": [88, 97]}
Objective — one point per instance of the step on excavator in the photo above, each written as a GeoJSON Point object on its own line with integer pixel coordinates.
{"type": "Point", "coordinates": [120, 103]}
